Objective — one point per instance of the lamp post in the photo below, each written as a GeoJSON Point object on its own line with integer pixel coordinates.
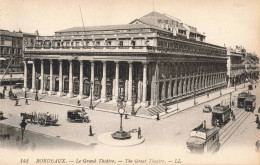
{"type": "Point", "coordinates": [194, 95]}
{"type": "Point", "coordinates": [121, 134]}
{"type": "Point", "coordinates": [90, 103]}
{"type": "Point", "coordinates": [230, 96]}
{"type": "Point", "coordinates": [220, 92]}
{"type": "Point", "coordinates": [11, 82]}
{"type": "Point", "coordinates": [177, 104]}
{"type": "Point", "coordinates": [235, 85]}
{"type": "Point", "coordinates": [133, 107]}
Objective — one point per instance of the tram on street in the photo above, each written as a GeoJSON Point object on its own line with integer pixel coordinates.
{"type": "Point", "coordinates": [241, 99]}
{"type": "Point", "coordinates": [250, 103]}
{"type": "Point", "coordinates": [220, 115]}
{"type": "Point", "coordinates": [203, 140]}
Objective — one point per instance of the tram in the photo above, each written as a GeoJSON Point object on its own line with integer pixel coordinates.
{"type": "Point", "coordinates": [241, 98]}
{"type": "Point", "coordinates": [203, 140]}
{"type": "Point", "coordinates": [250, 103]}
{"type": "Point", "coordinates": [220, 115]}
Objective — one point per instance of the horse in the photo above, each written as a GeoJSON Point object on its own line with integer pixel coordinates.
{"type": "Point", "coordinates": [28, 116]}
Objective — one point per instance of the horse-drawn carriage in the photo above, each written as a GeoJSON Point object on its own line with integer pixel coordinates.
{"type": "Point", "coordinates": [47, 119]}
{"type": "Point", "coordinates": [41, 118]}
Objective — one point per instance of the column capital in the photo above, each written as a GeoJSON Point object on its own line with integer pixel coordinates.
{"type": "Point", "coordinates": [70, 60]}
{"type": "Point", "coordinates": [104, 62]}
{"type": "Point", "coordinates": [130, 62]}
{"type": "Point", "coordinates": [42, 60]}
{"type": "Point", "coordinates": [81, 61]}
{"type": "Point", "coordinates": [51, 61]}
{"type": "Point", "coordinates": [145, 63]}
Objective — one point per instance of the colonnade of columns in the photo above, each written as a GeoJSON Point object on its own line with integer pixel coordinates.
{"type": "Point", "coordinates": [157, 82]}
{"type": "Point", "coordinates": [70, 93]}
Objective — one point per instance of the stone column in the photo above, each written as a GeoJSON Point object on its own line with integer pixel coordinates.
{"type": "Point", "coordinates": [170, 87]}
{"type": "Point", "coordinates": [163, 92]}
{"type": "Point", "coordinates": [175, 82]}
{"type": "Point", "coordinates": [130, 84]}
{"type": "Point", "coordinates": [144, 101]}
{"type": "Point", "coordinates": [51, 92]}
{"type": "Point", "coordinates": [70, 94]}
{"type": "Point", "coordinates": [25, 88]}
{"type": "Point", "coordinates": [116, 82]}
{"type": "Point", "coordinates": [33, 90]}
{"type": "Point", "coordinates": [180, 87]}
{"type": "Point", "coordinates": [92, 76]}
{"type": "Point", "coordinates": [42, 78]}
{"type": "Point", "coordinates": [60, 93]}
{"type": "Point", "coordinates": [104, 83]}
{"type": "Point", "coordinates": [81, 96]}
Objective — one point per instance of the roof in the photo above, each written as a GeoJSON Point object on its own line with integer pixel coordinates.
{"type": "Point", "coordinates": [250, 98]}
{"type": "Point", "coordinates": [243, 94]}
{"type": "Point", "coordinates": [104, 28]}
{"type": "Point", "coordinates": [196, 140]}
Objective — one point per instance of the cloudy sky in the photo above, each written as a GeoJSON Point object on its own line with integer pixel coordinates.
{"type": "Point", "coordinates": [233, 22]}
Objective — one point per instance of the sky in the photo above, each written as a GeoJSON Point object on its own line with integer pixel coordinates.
{"type": "Point", "coordinates": [229, 22]}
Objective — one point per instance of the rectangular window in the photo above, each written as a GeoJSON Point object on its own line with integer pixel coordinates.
{"type": "Point", "coordinates": [133, 43]}
{"type": "Point", "coordinates": [121, 43]}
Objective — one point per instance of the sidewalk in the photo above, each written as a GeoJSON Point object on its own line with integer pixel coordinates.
{"type": "Point", "coordinates": [141, 112]}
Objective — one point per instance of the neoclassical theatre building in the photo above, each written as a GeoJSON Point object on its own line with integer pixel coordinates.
{"type": "Point", "coordinates": [153, 60]}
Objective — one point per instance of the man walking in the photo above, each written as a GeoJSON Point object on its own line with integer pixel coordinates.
{"type": "Point", "coordinates": [78, 103]}
{"type": "Point", "coordinates": [26, 101]}
{"type": "Point", "coordinates": [16, 102]}
{"type": "Point", "coordinates": [90, 131]}
{"type": "Point", "coordinates": [139, 133]}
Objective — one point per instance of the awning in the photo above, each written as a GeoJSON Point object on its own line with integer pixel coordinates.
{"type": "Point", "coordinates": [2, 59]}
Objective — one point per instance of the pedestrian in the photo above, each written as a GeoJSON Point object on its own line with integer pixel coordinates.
{"type": "Point", "coordinates": [257, 144]}
{"type": "Point", "coordinates": [257, 119]}
{"type": "Point", "coordinates": [36, 97]}
{"type": "Point", "coordinates": [25, 94]}
{"type": "Point", "coordinates": [26, 101]}
{"type": "Point", "coordinates": [208, 95]}
{"type": "Point", "coordinates": [126, 114]}
{"type": "Point", "coordinates": [158, 116]}
{"type": "Point", "coordinates": [3, 94]}
{"type": "Point", "coordinates": [16, 102]}
{"type": "Point", "coordinates": [139, 133]}
{"type": "Point", "coordinates": [90, 131]}
{"type": "Point", "coordinates": [166, 109]}
{"type": "Point", "coordinates": [78, 103]}
{"type": "Point", "coordinates": [255, 86]}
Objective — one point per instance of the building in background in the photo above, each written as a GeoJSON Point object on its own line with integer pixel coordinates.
{"type": "Point", "coordinates": [154, 60]}
{"type": "Point", "coordinates": [236, 72]}
{"type": "Point", "coordinates": [11, 54]}
{"type": "Point", "coordinates": [252, 66]}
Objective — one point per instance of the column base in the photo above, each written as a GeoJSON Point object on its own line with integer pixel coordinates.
{"type": "Point", "coordinates": [42, 91]}
{"type": "Point", "coordinates": [51, 92]}
{"type": "Point", "coordinates": [60, 94]}
{"type": "Point", "coordinates": [81, 96]}
{"type": "Point", "coordinates": [70, 95]}
{"type": "Point", "coordinates": [103, 100]}
{"type": "Point", "coordinates": [25, 89]}
{"type": "Point", "coordinates": [33, 90]}
{"type": "Point", "coordinates": [144, 104]}
{"type": "Point", "coordinates": [129, 102]}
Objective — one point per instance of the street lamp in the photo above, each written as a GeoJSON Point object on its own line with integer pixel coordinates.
{"type": "Point", "coordinates": [90, 103]}
{"type": "Point", "coordinates": [121, 134]}
{"type": "Point", "coordinates": [177, 104]}
{"type": "Point", "coordinates": [230, 99]}
{"type": "Point", "coordinates": [133, 107]}
{"type": "Point", "coordinates": [220, 92]}
{"type": "Point", "coordinates": [11, 82]}
{"type": "Point", "coordinates": [235, 85]}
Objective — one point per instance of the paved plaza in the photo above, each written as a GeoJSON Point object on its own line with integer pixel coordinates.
{"type": "Point", "coordinates": [170, 132]}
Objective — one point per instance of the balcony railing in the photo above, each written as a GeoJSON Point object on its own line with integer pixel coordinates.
{"type": "Point", "coordinates": [152, 49]}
